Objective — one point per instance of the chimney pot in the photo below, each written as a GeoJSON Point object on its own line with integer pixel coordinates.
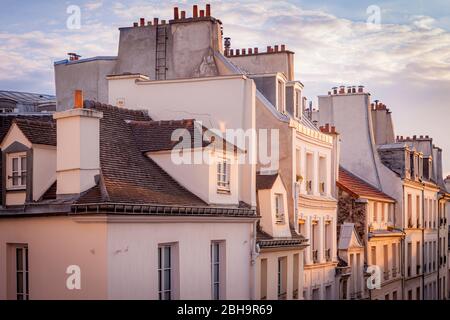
{"type": "Point", "coordinates": [269, 49]}
{"type": "Point", "coordinates": [243, 52]}
{"type": "Point", "coordinates": [135, 24]}
{"type": "Point", "coordinates": [360, 89]}
{"type": "Point", "coordinates": [176, 14]}
{"type": "Point", "coordinates": [250, 51]}
{"type": "Point", "coordinates": [142, 22]}
{"type": "Point", "coordinates": [255, 50]}
{"type": "Point", "coordinates": [238, 52]}
{"type": "Point", "coordinates": [78, 99]}
{"type": "Point", "coordinates": [208, 10]}
{"type": "Point", "coordinates": [149, 23]}
{"type": "Point", "coordinates": [231, 52]}
{"type": "Point", "coordinates": [427, 137]}
{"type": "Point", "coordinates": [195, 11]}
{"type": "Point", "coordinates": [283, 47]}
{"type": "Point", "coordinates": [183, 14]}
{"type": "Point", "coordinates": [202, 13]}
{"type": "Point", "coordinates": [155, 21]}
{"type": "Point", "coordinates": [276, 48]}
{"type": "Point", "coordinates": [163, 21]}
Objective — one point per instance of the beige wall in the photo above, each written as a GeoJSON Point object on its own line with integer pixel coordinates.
{"type": "Point", "coordinates": [54, 243]}
{"type": "Point", "coordinates": [44, 169]}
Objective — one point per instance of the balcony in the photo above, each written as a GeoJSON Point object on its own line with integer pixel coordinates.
{"type": "Point", "coordinates": [394, 272]}
{"type": "Point", "coordinates": [328, 254]}
{"type": "Point", "coordinates": [315, 256]}
{"type": "Point", "coordinates": [309, 186]}
{"type": "Point", "coordinates": [356, 295]}
{"type": "Point", "coordinates": [322, 188]}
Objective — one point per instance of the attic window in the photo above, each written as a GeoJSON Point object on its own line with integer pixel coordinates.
{"type": "Point", "coordinates": [17, 171]}
{"type": "Point", "coordinates": [223, 175]}
{"type": "Point", "coordinates": [279, 208]}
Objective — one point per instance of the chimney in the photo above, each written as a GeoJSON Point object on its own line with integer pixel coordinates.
{"type": "Point", "coordinates": [78, 99]}
{"type": "Point", "coordinates": [155, 21]}
{"type": "Point", "coordinates": [255, 50]}
{"type": "Point", "coordinates": [335, 90]}
{"type": "Point", "coordinates": [283, 47]}
{"type": "Point", "coordinates": [243, 52]}
{"type": "Point", "coordinates": [269, 49]}
{"type": "Point", "coordinates": [250, 51]}
{"type": "Point", "coordinates": [231, 52]}
{"type": "Point", "coordinates": [142, 22]}
{"type": "Point", "coordinates": [342, 90]}
{"type": "Point", "coordinates": [276, 48]}
{"type": "Point", "coordinates": [360, 89]}
{"type": "Point", "coordinates": [195, 11]}
{"type": "Point", "coordinates": [135, 24]}
{"type": "Point", "coordinates": [237, 52]}
{"type": "Point", "coordinates": [183, 14]}
{"type": "Point", "coordinates": [208, 10]}
{"type": "Point", "coordinates": [202, 13]}
{"type": "Point", "coordinates": [176, 14]}
{"type": "Point", "coordinates": [77, 148]}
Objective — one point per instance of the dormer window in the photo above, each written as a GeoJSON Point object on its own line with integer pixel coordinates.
{"type": "Point", "coordinates": [297, 104]}
{"type": "Point", "coordinates": [279, 208]}
{"type": "Point", "coordinates": [223, 175]}
{"type": "Point", "coordinates": [17, 171]}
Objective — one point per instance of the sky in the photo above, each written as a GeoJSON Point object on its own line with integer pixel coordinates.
{"type": "Point", "coordinates": [399, 50]}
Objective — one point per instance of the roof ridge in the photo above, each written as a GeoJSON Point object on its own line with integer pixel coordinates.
{"type": "Point", "coordinates": [91, 104]}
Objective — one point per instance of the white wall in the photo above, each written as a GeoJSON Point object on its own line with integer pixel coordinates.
{"type": "Point", "coordinates": [44, 169]}
{"type": "Point", "coordinates": [226, 102]}
{"type": "Point", "coordinates": [133, 258]}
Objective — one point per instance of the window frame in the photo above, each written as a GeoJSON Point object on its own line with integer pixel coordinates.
{"type": "Point", "coordinates": [162, 269]}
{"type": "Point", "coordinates": [279, 208]}
{"type": "Point", "coordinates": [21, 174]}
{"type": "Point", "coordinates": [223, 175]}
{"type": "Point", "coordinates": [24, 272]}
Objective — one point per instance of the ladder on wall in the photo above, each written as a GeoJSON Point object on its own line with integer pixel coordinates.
{"type": "Point", "coordinates": [161, 50]}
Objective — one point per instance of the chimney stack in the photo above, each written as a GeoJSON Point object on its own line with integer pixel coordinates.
{"type": "Point", "coordinates": [142, 22]}
{"type": "Point", "coordinates": [176, 14]}
{"type": "Point", "coordinates": [183, 14]}
{"type": "Point", "coordinates": [155, 21]}
{"type": "Point", "coordinates": [208, 10]}
{"type": "Point", "coordinates": [77, 148]}
{"type": "Point", "coordinates": [195, 11]}
{"type": "Point", "coordinates": [276, 48]}
{"type": "Point", "coordinates": [202, 13]}
{"type": "Point", "coordinates": [255, 50]}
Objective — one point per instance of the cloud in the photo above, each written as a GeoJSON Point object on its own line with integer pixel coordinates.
{"type": "Point", "coordinates": [91, 6]}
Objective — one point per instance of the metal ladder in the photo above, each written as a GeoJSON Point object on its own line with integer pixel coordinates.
{"type": "Point", "coordinates": [161, 48]}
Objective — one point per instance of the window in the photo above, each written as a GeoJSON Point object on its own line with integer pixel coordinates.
{"type": "Point", "coordinates": [22, 287]}
{"type": "Point", "coordinates": [386, 261]}
{"type": "Point", "coordinates": [297, 104]}
{"type": "Point", "coordinates": [418, 257]}
{"type": "Point", "coordinates": [165, 272]}
{"type": "Point", "coordinates": [296, 271]}
{"type": "Point", "coordinates": [418, 293]}
{"type": "Point", "coordinates": [373, 255]}
{"type": "Point", "coordinates": [418, 211]}
{"type": "Point", "coordinates": [279, 208]}
{"type": "Point", "coordinates": [216, 271]}
{"type": "Point", "coordinates": [394, 260]}
{"type": "Point", "coordinates": [223, 175]}
{"type": "Point", "coordinates": [280, 96]}
{"type": "Point", "coordinates": [309, 172]}
{"type": "Point", "coordinates": [282, 278]}
{"type": "Point", "coordinates": [315, 294]}
{"type": "Point", "coordinates": [394, 295]}
{"type": "Point", "coordinates": [328, 295]}
{"type": "Point", "coordinates": [409, 211]}
{"type": "Point", "coordinates": [17, 171]}
{"type": "Point", "coordinates": [386, 297]}
{"type": "Point", "coordinates": [410, 295]}
{"type": "Point", "coordinates": [322, 175]}
{"type": "Point", "coordinates": [263, 289]}
{"type": "Point", "coordinates": [375, 212]}
{"type": "Point", "coordinates": [409, 259]}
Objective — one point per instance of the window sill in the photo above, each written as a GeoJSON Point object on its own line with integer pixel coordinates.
{"type": "Point", "coordinates": [16, 189]}
{"type": "Point", "coordinates": [223, 191]}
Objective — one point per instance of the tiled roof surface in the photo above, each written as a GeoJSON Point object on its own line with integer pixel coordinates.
{"type": "Point", "coordinates": [358, 187]}
{"type": "Point", "coordinates": [157, 135]}
{"type": "Point", "coordinates": [128, 176]}
{"type": "Point", "coordinates": [265, 181]}
{"type": "Point", "coordinates": [38, 132]}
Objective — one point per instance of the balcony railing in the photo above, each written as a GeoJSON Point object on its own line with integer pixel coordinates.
{"type": "Point", "coordinates": [328, 254]}
{"type": "Point", "coordinates": [394, 272]}
{"type": "Point", "coordinates": [322, 188]}
{"type": "Point", "coordinates": [295, 294]}
{"type": "Point", "coordinates": [309, 186]}
{"type": "Point", "coordinates": [282, 296]}
{"type": "Point", "coordinates": [315, 255]}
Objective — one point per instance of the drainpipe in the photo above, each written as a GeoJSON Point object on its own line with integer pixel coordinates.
{"type": "Point", "coordinates": [254, 256]}
{"type": "Point", "coordinates": [423, 244]}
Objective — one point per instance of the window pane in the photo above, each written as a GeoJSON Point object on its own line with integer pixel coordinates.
{"type": "Point", "coordinates": [216, 291]}
{"type": "Point", "coordinates": [15, 178]}
{"type": "Point", "coordinates": [159, 258]}
{"type": "Point", "coordinates": [166, 257]}
{"type": "Point", "coordinates": [24, 178]}
{"type": "Point", "coordinates": [167, 295]}
{"type": "Point", "coordinates": [167, 279]}
{"type": "Point", "coordinates": [216, 252]}
{"type": "Point", "coordinates": [19, 261]}
{"type": "Point", "coordinates": [216, 272]}
{"type": "Point", "coordinates": [19, 282]}
{"type": "Point", "coordinates": [23, 163]}
{"type": "Point", "coordinates": [15, 164]}
{"type": "Point", "coordinates": [159, 280]}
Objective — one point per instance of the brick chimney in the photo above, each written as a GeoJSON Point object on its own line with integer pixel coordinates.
{"type": "Point", "coordinates": [77, 148]}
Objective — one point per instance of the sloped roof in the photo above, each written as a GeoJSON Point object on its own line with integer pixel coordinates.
{"type": "Point", "coordinates": [128, 176]}
{"type": "Point", "coordinates": [265, 181]}
{"type": "Point", "coordinates": [348, 237]}
{"type": "Point", "coordinates": [360, 188]}
{"type": "Point", "coordinates": [157, 135]}
{"type": "Point", "coordinates": [38, 132]}
{"type": "Point", "coordinates": [27, 97]}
